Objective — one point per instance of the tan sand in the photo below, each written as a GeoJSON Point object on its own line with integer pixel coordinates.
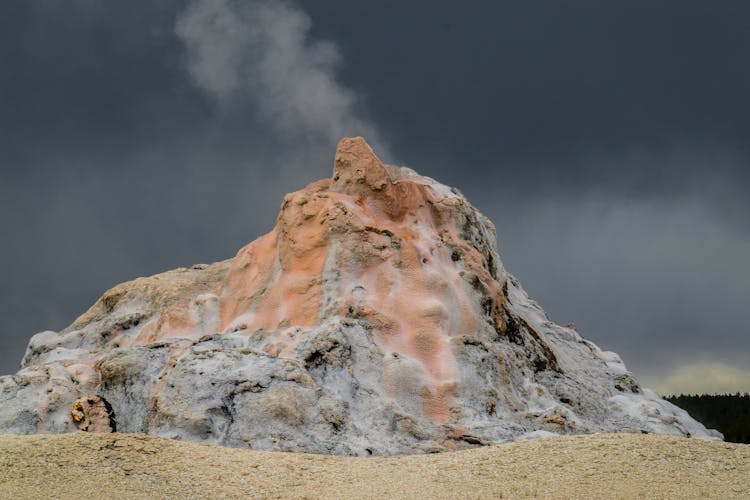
{"type": "Point", "coordinates": [604, 465]}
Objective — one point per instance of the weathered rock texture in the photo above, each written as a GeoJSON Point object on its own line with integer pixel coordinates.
{"type": "Point", "coordinates": [376, 318]}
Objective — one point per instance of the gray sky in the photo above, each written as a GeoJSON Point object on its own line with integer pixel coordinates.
{"type": "Point", "coordinates": [609, 142]}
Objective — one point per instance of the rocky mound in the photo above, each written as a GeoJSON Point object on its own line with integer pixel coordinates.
{"type": "Point", "coordinates": [376, 318]}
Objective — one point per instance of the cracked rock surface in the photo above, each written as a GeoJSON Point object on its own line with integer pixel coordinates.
{"type": "Point", "coordinates": [376, 318]}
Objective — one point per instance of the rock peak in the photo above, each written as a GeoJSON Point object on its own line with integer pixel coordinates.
{"type": "Point", "coordinates": [357, 170]}
{"type": "Point", "coordinates": [354, 146]}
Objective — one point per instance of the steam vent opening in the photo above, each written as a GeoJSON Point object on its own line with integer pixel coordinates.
{"type": "Point", "coordinates": [93, 414]}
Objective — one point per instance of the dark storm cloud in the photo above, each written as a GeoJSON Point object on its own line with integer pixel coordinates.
{"type": "Point", "coordinates": [121, 161]}
{"type": "Point", "coordinates": [549, 82]}
{"type": "Point", "coordinates": [607, 141]}
{"type": "Point", "coordinates": [658, 282]}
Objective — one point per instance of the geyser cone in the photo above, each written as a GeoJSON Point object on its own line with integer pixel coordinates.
{"type": "Point", "coordinates": [375, 317]}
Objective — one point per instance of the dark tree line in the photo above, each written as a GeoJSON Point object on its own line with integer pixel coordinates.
{"type": "Point", "coordinates": [727, 413]}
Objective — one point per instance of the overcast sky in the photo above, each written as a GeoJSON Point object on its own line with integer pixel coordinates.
{"type": "Point", "coordinates": [608, 141]}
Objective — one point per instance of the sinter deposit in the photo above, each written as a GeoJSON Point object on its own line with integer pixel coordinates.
{"type": "Point", "coordinates": [376, 318]}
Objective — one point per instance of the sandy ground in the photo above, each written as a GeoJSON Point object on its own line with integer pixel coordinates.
{"type": "Point", "coordinates": [604, 465]}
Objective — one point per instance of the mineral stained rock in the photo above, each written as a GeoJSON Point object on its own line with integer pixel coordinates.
{"type": "Point", "coordinates": [376, 318]}
{"type": "Point", "coordinates": [93, 414]}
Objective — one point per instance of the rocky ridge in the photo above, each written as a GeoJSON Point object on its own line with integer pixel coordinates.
{"type": "Point", "coordinates": [375, 318]}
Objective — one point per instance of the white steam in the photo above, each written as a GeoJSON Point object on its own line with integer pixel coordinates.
{"type": "Point", "coordinates": [259, 52]}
